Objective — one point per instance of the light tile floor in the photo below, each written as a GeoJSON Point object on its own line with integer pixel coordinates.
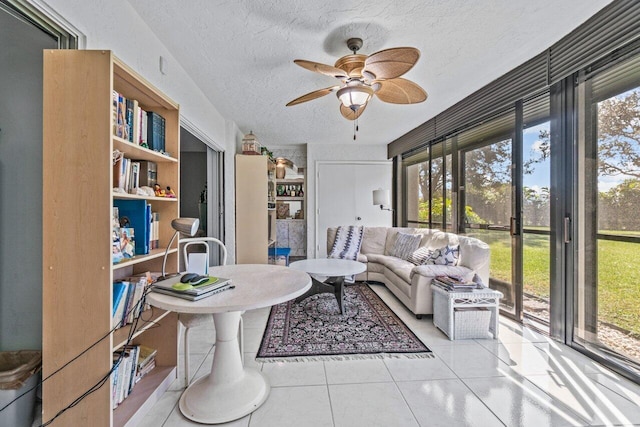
{"type": "Point", "coordinates": [521, 379]}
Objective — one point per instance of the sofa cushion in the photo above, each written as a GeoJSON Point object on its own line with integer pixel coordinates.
{"type": "Point", "coordinates": [420, 255]}
{"type": "Point", "coordinates": [373, 240]}
{"type": "Point", "coordinates": [405, 245]}
{"type": "Point", "coordinates": [382, 263]}
{"type": "Point", "coordinates": [447, 255]}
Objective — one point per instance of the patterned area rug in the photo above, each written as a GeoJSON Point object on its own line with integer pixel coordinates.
{"type": "Point", "coordinates": [314, 329]}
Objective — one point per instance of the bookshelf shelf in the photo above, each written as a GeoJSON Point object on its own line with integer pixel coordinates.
{"type": "Point", "coordinates": [145, 393]}
{"type": "Point", "coordinates": [140, 153]}
{"type": "Point", "coordinates": [149, 198]}
{"type": "Point", "coordinates": [138, 259]}
{"type": "Point", "coordinates": [148, 319]}
{"type": "Point", "coordinates": [78, 145]}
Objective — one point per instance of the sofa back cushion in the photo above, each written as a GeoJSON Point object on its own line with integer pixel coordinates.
{"type": "Point", "coordinates": [405, 245]}
{"type": "Point", "coordinates": [392, 235]}
{"type": "Point", "coordinates": [374, 239]}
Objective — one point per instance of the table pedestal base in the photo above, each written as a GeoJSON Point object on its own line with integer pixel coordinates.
{"type": "Point", "coordinates": [230, 391]}
{"type": "Point", "coordinates": [333, 285]}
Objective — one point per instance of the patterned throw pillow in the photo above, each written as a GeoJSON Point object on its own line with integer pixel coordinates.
{"type": "Point", "coordinates": [445, 256]}
{"type": "Point", "coordinates": [420, 255]}
{"type": "Point", "coordinates": [405, 244]}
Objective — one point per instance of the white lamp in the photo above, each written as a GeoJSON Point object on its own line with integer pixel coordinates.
{"type": "Point", "coordinates": [383, 198]}
{"type": "Point", "coordinates": [188, 226]}
{"type": "Point", "coordinates": [355, 96]}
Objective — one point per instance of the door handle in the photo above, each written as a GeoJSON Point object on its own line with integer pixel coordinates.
{"type": "Point", "coordinates": [566, 229]}
{"type": "Point", "coordinates": [513, 226]}
{"type": "Point", "coordinates": [358, 218]}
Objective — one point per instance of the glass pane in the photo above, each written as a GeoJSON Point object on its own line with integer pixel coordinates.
{"type": "Point", "coordinates": [448, 185]}
{"type": "Point", "coordinates": [488, 210]}
{"type": "Point", "coordinates": [618, 288]}
{"type": "Point", "coordinates": [536, 211]}
{"type": "Point", "coordinates": [417, 192]}
{"type": "Point", "coordinates": [436, 192]}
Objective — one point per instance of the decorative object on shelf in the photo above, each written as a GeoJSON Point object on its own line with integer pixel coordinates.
{"type": "Point", "coordinates": [383, 198]}
{"type": "Point", "coordinates": [188, 226]}
{"type": "Point", "coordinates": [282, 210]}
{"type": "Point", "coordinates": [281, 167]}
{"type": "Point", "coordinates": [250, 144]}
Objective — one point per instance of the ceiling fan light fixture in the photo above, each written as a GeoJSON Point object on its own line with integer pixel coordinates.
{"type": "Point", "coordinates": [354, 97]}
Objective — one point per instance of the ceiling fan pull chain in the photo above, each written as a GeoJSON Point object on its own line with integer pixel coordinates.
{"type": "Point", "coordinates": [355, 129]}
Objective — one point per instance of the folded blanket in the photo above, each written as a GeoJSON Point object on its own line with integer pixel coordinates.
{"type": "Point", "coordinates": [347, 245]}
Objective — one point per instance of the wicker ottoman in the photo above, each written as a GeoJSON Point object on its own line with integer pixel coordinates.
{"type": "Point", "coordinates": [465, 315]}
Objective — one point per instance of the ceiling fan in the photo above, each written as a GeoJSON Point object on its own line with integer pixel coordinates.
{"type": "Point", "coordinates": [364, 76]}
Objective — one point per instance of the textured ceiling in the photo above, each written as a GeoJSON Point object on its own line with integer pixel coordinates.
{"type": "Point", "coordinates": [241, 52]}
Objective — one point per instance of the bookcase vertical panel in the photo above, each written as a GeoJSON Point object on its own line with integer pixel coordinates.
{"type": "Point", "coordinates": [77, 212]}
{"type": "Point", "coordinates": [77, 230]}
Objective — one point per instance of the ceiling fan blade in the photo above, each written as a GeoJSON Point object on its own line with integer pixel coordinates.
{"type": "Point", "coordinates": [391, 63]}
{"type": "Point", "coordinates": [349, 114]}
{"type": "Point", "coordinates": [313, 95]}
{"type": "Point", "coordinates": [322, 68]}
{"type": "Point", "coordinates": [400, 91]}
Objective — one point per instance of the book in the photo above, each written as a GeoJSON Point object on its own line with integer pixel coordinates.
{"type": "Point", "coordinates": [119, 288]}
{"type": "Point", "coordinates": [135, 212]}
{"type": "Point", "coordinates": [147, 355]}
{"type": "Point", "coordinates": [191, 297]}
{"type": "Point", "coordinates": [211, 284]}
{"type": "Point", "coordinates": [148, 173]}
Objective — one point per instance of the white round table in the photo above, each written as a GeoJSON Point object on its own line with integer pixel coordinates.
{"type": "Point", "coordinates": [231, 391]}
{"type": "Point", "coordinates": [333, 270]}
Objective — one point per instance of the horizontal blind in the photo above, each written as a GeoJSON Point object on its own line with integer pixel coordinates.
{"type": "Point", "coordinates": [621, 78]}
{"type": "Point", "coordinates": [616, 25]}
{"type": "Point", "coordinates": [497, 95]}
{"type": "Point", "coordinates": [412, 139]}
{"type": "Point", "coordinates": [536, 110]}
{"type": "Point", "coordinates": [613, 27]}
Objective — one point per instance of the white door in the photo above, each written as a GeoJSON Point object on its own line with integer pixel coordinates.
{"type": "Point", "coordinates": [345, 197]}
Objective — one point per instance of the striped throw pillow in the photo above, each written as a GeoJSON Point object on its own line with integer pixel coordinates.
{"type": "Point", "coordinates": [420, 255]}
{"type": "Point", "coordinates": [405, 245]}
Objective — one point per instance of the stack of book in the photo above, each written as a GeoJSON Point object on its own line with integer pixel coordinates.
{"type": "Point", "coordinates": [134, 124]}
{"type": "Point", "coordinates": [454, 284]}
{"type": "Point", "coordinates": [192, 293]}
{"type": "Point", "coordinates": [126, 300]}
{"type": "Point", "coordinates": [131, 364]}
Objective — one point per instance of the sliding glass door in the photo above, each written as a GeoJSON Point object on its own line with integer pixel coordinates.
{"type": "Point", "coordinates": [607, 319]}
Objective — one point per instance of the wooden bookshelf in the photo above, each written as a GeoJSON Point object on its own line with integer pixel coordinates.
{"type": "Point", "coordinates": [78, 144]}
{"type": "Point", "coordinates": [255, 220]}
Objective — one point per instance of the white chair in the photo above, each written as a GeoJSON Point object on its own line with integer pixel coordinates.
{"type": "Point", "coordinates": [198, 262]}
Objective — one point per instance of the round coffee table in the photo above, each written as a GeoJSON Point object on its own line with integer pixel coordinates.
{"type": "Point", "coordinates": [334, 269]}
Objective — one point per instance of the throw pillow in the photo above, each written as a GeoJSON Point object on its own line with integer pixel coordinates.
{"type": "Point", "coordinates": [420, 255]}
{"type": "Point", "coordinates": [445, 256]}
{"type": "Point", "coordinates": [405, 245]}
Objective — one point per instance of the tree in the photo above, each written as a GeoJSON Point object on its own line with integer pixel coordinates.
{"type": "Point", "coordinates": [619, 135]}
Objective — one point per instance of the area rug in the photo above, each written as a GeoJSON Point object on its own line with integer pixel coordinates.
{"type": "Point", "coordinates": [314, 329]}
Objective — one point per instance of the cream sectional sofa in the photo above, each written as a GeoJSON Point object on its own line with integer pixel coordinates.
{"type": "Point", "coordinates": [411, 283]}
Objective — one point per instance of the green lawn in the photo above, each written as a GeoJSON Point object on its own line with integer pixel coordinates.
{"type": "Point", "coordinates": [618, 274]}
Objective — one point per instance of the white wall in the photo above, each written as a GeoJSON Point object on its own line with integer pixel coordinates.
{"type": "Point", "coordinates": [342, 152]}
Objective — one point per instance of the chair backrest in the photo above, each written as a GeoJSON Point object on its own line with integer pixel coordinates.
{"type": "Point", "coordinates": [198, 262]}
